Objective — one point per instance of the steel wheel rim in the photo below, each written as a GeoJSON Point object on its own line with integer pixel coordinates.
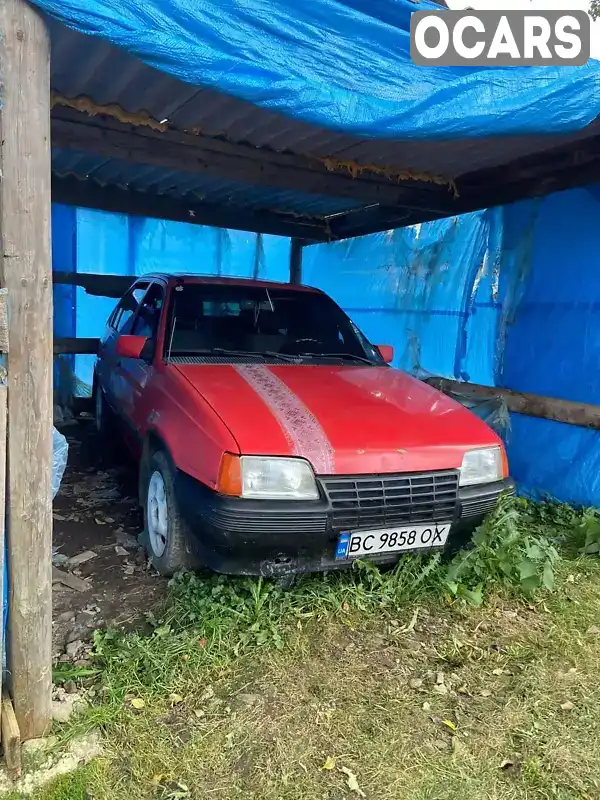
{"type": "Point", "coordinates": [158, 514]}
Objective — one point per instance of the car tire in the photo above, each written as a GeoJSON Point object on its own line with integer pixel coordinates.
{"type": "Point", "coordinates": [166, 531]}
{"type": "Point", "coordinates": [103, 416]}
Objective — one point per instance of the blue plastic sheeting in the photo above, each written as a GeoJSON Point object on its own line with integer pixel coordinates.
{"type": "Point", "coordinates": [553, 343]}
{"type": "Point", "coordinates": [428, 290]}
{"type": "Point", "coordinates": [509, 297]}
{"type": "Point", "coordinates": [90, 241]}
{"type": "Point", "coordinates": [341, 64]}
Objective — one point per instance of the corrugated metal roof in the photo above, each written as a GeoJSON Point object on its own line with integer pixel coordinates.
{"type": "Point", "coordinates": [224, 193]}
{"type": "Point", "coordinates": [89, 67]}
{"type": "Point", "coordinates": [82, 65]}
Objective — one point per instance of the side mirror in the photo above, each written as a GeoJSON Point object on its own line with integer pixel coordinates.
{"type": "Point", "coordinates": [130, 346]}
{"type": "Point", "coordinates": [387, 352]}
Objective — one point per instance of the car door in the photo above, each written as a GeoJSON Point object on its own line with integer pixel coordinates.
{"type": "Point", "coordinates": [136, 372]}
{"type": "Point", "coordinates": [120, 322]}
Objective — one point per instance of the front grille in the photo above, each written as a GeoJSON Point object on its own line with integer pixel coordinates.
{"type": "Point", "coordinates": [274, 522]}
{"type": "Point", "coordinates": [478, 507]}
{"type": "Point", "coordinates": [375, 501]}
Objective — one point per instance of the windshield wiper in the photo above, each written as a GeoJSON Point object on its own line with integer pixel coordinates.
{"type": "Point", "coordinates": [341, 356]}
{"type": "Point", "coordinates": [223, 351]}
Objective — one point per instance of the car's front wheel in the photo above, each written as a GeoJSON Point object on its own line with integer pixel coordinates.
{"type": "Point", "coordinates": [167, 531]}
{"type": "Point", "coordinates": [102, 413]}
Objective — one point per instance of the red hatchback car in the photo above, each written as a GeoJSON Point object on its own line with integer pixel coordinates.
{"type": "Point", "coordinates": [274, 438]}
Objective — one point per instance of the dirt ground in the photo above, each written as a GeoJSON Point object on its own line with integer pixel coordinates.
{"type": "Point", "coordinates": [97, 519]}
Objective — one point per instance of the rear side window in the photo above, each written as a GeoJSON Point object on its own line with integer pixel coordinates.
{"type": "Point", "coordinates": [148, 317]}
{"type": "Point", "coordinates": [122, 317]}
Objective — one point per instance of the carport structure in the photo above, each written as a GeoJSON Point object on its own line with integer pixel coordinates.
{"type": "Point", "coordinates": [87, 124]}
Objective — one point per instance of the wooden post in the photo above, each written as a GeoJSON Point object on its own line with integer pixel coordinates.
{"type": "Point", "coordinates": [296, 261]}
{"type": "Point", "coordinates": [25, 270]}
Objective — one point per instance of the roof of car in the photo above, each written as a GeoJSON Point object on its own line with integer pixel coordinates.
{"type": "Point", "coordinates": [210, 279]}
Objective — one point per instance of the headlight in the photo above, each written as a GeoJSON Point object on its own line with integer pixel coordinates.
{"type": "Point", "coordinates": [481, 466]}
{"type": "Point", "coordinates": [278, 478]}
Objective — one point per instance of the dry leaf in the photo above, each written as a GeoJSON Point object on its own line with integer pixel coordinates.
{"type": "Point", "coordinates": [498, 671]}
{"type": "Point", "coordinates": [345, 607]}
{"type": "Point", "coordinates": [594, 629]}
{"type": "Point", "coordinates": [440, 688]}
{"type": "Point", "coordinates": [353, 783]}
{"type": "Point", "coordinates": [449, 724]}
{"type": "Point", "coordinates": [486, 693]}
{"type": "Point", "coordinates": [568, 706]}
{"type": "Point", "coordinates": [138, 703]}
{"type": "Point", "coordinates": [329, 763]}
{"type": "Point", "coordinates": [175, 699]}
{"type": "Point", "coordinates": [426, 706]}
{"type": "Point", "coordinates": [199, 712]}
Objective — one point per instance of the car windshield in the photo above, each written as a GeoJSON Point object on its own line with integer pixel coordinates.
{"type": "Point", "coordinates": [240, 320]}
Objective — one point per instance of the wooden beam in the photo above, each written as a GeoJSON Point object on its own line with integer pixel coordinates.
{"type": "Point", "coordinates": [95, 283]}
{"type": "Point", "coordinates": [362, 222]}
{"type": "Point", "coordinates": [26, 272]}
{"type": "Point", "coordinates": [296, 261]}
{"type": "Point", "coordinates": [11, 736]}
{"type": "Point", "coordinates": [64, 345]}
{"type": "Point", "coordinates": [219, 158]}
{"type": "Point", "coordinates": [555, 170]}
{"type": "Point", "coordinates": [584, 415]}
{"type": "Point", "coordinates": [89, 194]}
{"type": "Point", "coordinates": [558, 169]}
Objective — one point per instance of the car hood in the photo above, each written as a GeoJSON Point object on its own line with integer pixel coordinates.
{"type": "Point", "coordinates": [343, 419]}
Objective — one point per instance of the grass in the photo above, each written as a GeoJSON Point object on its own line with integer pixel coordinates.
{"type": "Point", "coordinates": [432, 682]}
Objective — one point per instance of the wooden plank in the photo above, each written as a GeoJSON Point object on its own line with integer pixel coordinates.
{"type": "Point", "coordinates": [70, 580]}
{"type": "Point", "coordinates": [26, 272]}
{"type": "Point", "coordinates": [90, 194]}
{"type": "Point", "coordinates": [3, 461]}
{"type": "Point", "coordinates": [219, 158]}
{"type": "Point", "coordinates": [95, 284]}
{"type": "Point", "coordinates": [11, 736]}
{"type": "Point", "coordinates": [296, 261]}
{"type": "Point", "coordinates": [67, 345]}
{"type": "Point", "coordinates": [584, 415]}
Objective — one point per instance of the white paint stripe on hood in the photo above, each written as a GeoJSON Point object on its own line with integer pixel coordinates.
{"type": "Point", "coordinates": [301, 428]}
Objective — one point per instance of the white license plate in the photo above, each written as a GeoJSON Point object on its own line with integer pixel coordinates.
{"type": "Point", "coordinates": [355, 544]}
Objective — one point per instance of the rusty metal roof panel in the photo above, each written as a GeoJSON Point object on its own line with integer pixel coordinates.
{"type": "Point", "coordinates": [211, 190]}
{"type": "Point", "coordinates": [85, 66]}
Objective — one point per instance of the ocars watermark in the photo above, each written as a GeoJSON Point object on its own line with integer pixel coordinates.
{"type": "Point", "coordinates": [501, 39]}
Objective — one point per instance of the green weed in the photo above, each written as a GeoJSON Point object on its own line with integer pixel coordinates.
{"type": "Point", "coordinates": [211, 620]}
{"type": "Point", "coordinates": [507, 553]}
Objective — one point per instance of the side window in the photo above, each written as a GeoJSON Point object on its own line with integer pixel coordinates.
{"type": "Point", "coordinates": [123, 316]}
{"type": "Point", "coordinates": [148, 316]}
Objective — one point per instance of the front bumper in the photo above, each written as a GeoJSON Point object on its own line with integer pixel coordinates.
{"type": "Point", "coordinates": [275, 538]}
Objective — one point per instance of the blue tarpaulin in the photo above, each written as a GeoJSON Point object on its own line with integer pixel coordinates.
{"type": "Point", "coordinates": [507, 297]}
{"type": "Point", "coordinates": [340, 64]}
{"type": "Point", "coordinates": [84, 240]}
